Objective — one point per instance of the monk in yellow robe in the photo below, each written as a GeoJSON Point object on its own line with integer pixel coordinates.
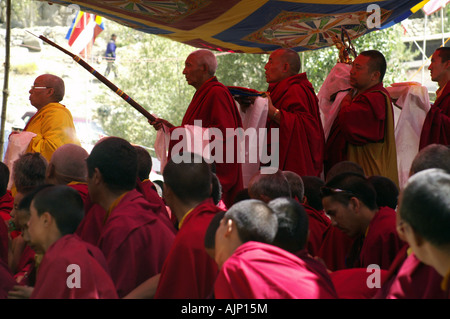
{"type": "Point", "coordinates": [53, 122]}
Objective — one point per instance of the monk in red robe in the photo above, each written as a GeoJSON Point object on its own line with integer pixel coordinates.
{"type": "Point", "coordinates": [436, 127]}
{"type": "Point", "coordinates": [133, 238]}
{"type": "Point", "coordinates": [191, 202]}
{"type": "Point", "coordinates": [363, 131]}
{"type": "Point", "coordinates": [215, 107]}
{"type": "Point", "coordinates": [251, 268]}
{"type": "Point", "coordinates": [427, 233]}
{"type": "Point", "coordinates": [350, 200]}
{"type": "Point", "coordinates": [294, 110]}
{"type": "Point", "coordinates": [293, 235]}
{"type": "Point", "coordinates": [70, 268]}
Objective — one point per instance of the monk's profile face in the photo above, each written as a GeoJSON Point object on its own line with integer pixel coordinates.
{"type": "Point", "coordinates": [361, 75]}
{"type": "Point", "coordinates": [276, 68]}
{"type": "Point", "coordinates": [438, 69]}
{"type": "Point", "coordinates": [36, 230]}
{"type": "Point", "coordinates": [342, 216]}
{"type": "Point", "coordinates": [194, 71]}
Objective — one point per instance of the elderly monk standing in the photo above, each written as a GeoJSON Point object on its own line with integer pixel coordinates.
{"type": "Point", "coordinates": [294, 110]}
{"type": "Point", "coordinates": [215, 107]}
{"type": "Point", "coordinates": [53, 122]}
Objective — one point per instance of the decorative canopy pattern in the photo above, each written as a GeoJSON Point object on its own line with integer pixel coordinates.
{"type": "Point", "coordinates": [252, 26]}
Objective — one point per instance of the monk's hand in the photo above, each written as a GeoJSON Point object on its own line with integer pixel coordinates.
{"type": "Point", "coordinates": [158, 123]}
{"type": "Point", "coordinates": [20, 292]}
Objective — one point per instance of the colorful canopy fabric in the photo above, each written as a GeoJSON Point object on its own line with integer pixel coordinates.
{"type": "Point", "coordinates": [252, 26]}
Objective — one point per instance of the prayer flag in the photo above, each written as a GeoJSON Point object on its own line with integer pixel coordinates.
{"type": "Point", "coordinates": [84, 30]}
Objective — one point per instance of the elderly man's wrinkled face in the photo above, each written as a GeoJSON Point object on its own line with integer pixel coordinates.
{"type": "Point", "coordinates": [193, 71]}
{"type": "Point", "coordinates": [275, 67]}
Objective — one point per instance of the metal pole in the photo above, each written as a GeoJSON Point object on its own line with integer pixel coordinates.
{"type": "Point", "coordinates": [6, 79]}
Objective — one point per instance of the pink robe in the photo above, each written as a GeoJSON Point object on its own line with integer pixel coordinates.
{"type": "Point", "coordinates": [261, 271]}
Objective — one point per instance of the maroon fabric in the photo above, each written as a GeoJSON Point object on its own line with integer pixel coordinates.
{"type": "Point", "coordinates": [335, 247]}
{"type": "Point", "coordinates": [92, 223]}
{"type": "Point", "coordinates": [189, 272]}
{"type": "Point", "coordinates": [148, 190]}
{"type": "Point", "coordinates": [4, 241]}
{"type": "Point", "coordinates": [214, 105]}
{"type": "Point", "coordinates": [6, 205]}
{"type": "Point", "coordinates": [26, 268]}
{"type": "Point", "coordinates": [53, 275]}
{"type": "Point", "coordinates": [301, 137]}
{"type": "Point", "coordinates": [82, 189]}
{"type": "Point", "coordinates": [436, 127]}
{"type": "Point", "coordinates": [353, 283]}
{"type": "Point", "coordinates": [6, 280]}
{"type": "Point", "coordinates": [360, 122]}
{"type": "Point", "coordinates": [414, 280]}
{"type": "Point", "coordinates": [262, 271]}
{"type": "Point", "coordinates": [382, 243]}
{"type": "Point", "coordinates": [318, 225]}
{"type": "Point", "coordinates": [135, 242]}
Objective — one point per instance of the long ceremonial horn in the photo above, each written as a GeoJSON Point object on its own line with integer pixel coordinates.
{"type": "Point", "coordinates": [104, 80]}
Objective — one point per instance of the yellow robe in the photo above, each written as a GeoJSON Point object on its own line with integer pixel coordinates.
{"type": "Point", "coordinates": [54, 127]}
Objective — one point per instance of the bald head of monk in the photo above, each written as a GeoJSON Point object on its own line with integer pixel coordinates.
{"type": "Point", "coordinates": [199, 67]}
{"type": "Point", "coordinates": [68, 164]}
{"type": "Point", "coordinates": [47, 88]}
{"type": "Point", "coordinates": [282, 64]}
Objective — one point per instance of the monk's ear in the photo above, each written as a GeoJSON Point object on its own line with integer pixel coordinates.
{"type": "Point", "coordinates": [97, 176]}
{"type": "Point", "coordinates": [47, 219]}
{"type": "Point", "coordinates": [50, 172]}
{"type": "Point", "coordinates": [418, 239]}
{"type": "Point", "coordinates": [230, 226]}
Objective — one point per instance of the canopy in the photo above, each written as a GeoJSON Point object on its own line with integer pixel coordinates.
{"type": "Point", "coordinates": [252, 26]}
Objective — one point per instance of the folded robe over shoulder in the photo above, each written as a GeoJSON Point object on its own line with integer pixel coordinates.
{"type": "Point", "coordinates": [301, 135]}
{"type": "Point", "coordinates": [363, 132]}
{"type": "Point", "coordinates": [135, 241]}
{"type": "Point", "coordinates": [413, 280]}
{"type": "Point", "coordinates": [382, 243]}
{"type": "Point", "coordinates": [189, 272]}
{"type": "Point", "coordinates": [318, 225]}
{"type": "Point", "coordinates": [54, 273]}
{"type": "Point", "coordinates": [436, 127]}
{"type": "Point", "coordinates": [54, 127]}
{"type": "Point", "coordinates": [214, 105]}
{"type": "Point", "coordinates": [261, 271]}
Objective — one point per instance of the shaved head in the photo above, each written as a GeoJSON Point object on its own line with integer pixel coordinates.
{"type": "Point", "coordinates": [207, 58]}
{"type": "Point", "coordinates": [68, 164]}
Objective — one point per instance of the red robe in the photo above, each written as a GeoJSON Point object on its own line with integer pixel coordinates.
{"type": "Point", "coordinates": [214, 105]}
{"type": "Point", "coordinates": [360, 125]}
{"type": "Point", "coordinates": [436, 127]}
{"type": "Point", "coordinates": [352, 283]}
{"type": "Point", "coordinates": [54, 275]}
{"type": "Point", "coordinates": [6, 280]}
{"type": "Point", "coordinates": [189, 272]}
{"type": "Point", "coordinates": [381, 244]}
{"type": "Point", "coordinates": [261, 271]}
{"type": "Point", "coordinates": [4, 241]}
{"type": "Point", "coordinates": [412, 280]}
{"type": "Point", "coordinates": [6, 205]}
{"type": "Point", "coordinates": [148, 189]}
{"type": "Point", "coordinates": [135, 241]}
{"type": "Point", "coordinates": [318, 225]}
{"type": "Point", "coordinates": [26, 268]}
{"type": "Point", "coordinates": [82, 189]}
{"type": "Point", "coordinates": [334, 248]}
{"type": "Point", "coordinates": [301, 137]}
